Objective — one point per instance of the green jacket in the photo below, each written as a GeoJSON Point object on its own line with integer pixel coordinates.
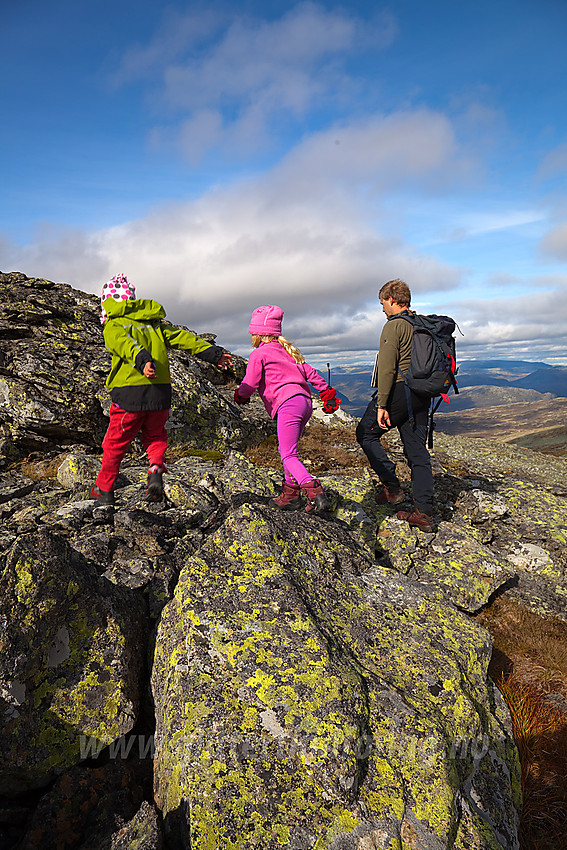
{"type": "Point", "coordinates": [135, 335]}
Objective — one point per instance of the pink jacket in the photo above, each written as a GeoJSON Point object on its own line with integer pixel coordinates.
{"type": "Point", "coordinates": [277, 377]}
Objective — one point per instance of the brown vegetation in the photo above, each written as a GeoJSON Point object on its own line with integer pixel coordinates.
{"type": "Point", "coordinates": [529, 665]}
{"type": "Point", "coordinates": [322, 449]}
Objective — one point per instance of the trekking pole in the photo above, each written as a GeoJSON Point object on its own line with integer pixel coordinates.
{"type": "Point", "coordinates": [329, 374]}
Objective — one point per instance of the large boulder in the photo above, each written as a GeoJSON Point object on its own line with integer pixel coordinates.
{"type": "Point", "coordinates": [73, 649]}
{"type": "Point", "coordinates": [306, 697]}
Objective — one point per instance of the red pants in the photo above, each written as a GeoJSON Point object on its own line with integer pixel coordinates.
{"type": "Point", "coordinates": [124, 426]}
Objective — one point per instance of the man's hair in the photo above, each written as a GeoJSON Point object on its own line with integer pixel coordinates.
{"type": "Point", "coordinates": [398, 291]}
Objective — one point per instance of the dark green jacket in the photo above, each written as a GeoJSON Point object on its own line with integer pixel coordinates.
{"type": "Point", "coordinates": [135, 335]}
{"type": "Point", "coordinates": [394, 353]}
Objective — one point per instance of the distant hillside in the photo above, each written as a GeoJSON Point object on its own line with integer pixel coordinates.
{"type": "Point", "coordinates": [546, 380]}
{"type": "Point", "coordinates": [514, 373]}
{"type": "Point", "coordinates": [538, 425]}
{"type": "Point", "coordinates": [493, 396]}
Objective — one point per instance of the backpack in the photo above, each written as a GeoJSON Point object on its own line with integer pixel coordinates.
{"type": "Point", "coordinates": [433, 363]}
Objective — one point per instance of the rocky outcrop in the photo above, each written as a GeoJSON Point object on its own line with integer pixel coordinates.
{"type": "Point", "coordinates": [70, 666]}
{"type": "Point", "coordinates": [53, 367]}
{"type": "Point", "coordinates": [209, 672]}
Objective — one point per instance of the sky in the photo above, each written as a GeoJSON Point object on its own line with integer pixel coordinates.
{"type": "Point", "coordinates": [227, 155]}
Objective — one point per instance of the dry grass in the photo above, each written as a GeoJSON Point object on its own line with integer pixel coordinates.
{"type": "Point", "coordinates": [322, 449]}
{"type": "Point", "coordinates": [529, 665]}
{"type": "Point", "coordinates": [40, 470]}
{"type": "Point", "coordinates": [540, 732]}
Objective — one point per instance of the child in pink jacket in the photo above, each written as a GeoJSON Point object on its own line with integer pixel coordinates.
{"type": "Point", "coordinates": [282, 377]}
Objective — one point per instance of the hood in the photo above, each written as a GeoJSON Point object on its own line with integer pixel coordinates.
{"type": "Point", "coordinates": [139, 309]}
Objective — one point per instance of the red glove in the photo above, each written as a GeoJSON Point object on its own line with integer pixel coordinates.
{"type": "Point", "coordinates": [331, 405]}
{"type": "Point", "coordinates": [239, 400]}
{"type": "Point", "coordinates": [327, 394]}
{"type": "Point", "coordinates": [330, 400]}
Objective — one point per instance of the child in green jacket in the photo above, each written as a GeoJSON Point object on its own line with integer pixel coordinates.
{"type": "Point", "coordinates": [139, 381]}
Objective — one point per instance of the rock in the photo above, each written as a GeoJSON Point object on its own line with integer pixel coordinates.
{"type": "Point", "coordinates": [70, 665]}
{"type": "Point", "coordinates": [298, 701]}
{"type": "Point", "coordinates": [78, 468]}
{"type": "Point", "coordinates": [87, 808]}
{"type": "Point", "coordinates": [480, 506]}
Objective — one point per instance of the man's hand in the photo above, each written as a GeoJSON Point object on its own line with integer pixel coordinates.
{"type": "Point", "coordinates": [383, 418]}
{"type": "Point", "coordinates": [225, 361]}
{"type": "Point", "coordinates": [150, 371]}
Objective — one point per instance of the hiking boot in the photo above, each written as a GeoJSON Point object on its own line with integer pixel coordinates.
{"type": "Point", "coordinates": [154, 490]}
{"type": "Point", "coordinates": [103, 497]}
{"type": "Point", "coordinates": [417, 519]}
{"type": "Point", "coordinates": [316, 499]}
{"type": "Point", "coordinates": [289, 498]}
{"type": "Point", "coordinates": [389, 494]}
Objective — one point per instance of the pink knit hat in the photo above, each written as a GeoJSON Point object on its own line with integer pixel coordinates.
{"type": "Point", "coordinates": [119, 289]}
{"type": "Point", "coordinates": [266, 320]}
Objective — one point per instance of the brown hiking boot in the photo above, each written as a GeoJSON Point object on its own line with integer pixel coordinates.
{"type": "Point", "coordinates": [418, 519]}
{"type": "Point", "coordinates": [316, 499]}
{"type": "Point", "coordinates": [389, 495]}
{"type": "Point", "coordinates": [289, 498]}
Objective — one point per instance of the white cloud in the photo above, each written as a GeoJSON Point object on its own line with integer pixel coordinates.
{"type": "Point", "coordinates": [530, 327]}
{"type": "Point", "coordinates": [307, 236]}
{"type": "Point", "coordinates": [235, 82]}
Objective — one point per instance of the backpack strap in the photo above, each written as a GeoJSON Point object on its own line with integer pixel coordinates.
{"type": "Point", "coordinates": [405, 314]}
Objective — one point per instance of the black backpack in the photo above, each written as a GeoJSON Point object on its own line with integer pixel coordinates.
{"type": "Point", "coordinates": [433, 364]}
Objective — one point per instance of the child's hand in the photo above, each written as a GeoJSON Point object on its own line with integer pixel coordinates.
{"type": "Point", "coordinates": [225, 361]}
{"type": "Point", "coordinates": [150, 371]}
{"type": "Point", "coordinates": [239, 400]}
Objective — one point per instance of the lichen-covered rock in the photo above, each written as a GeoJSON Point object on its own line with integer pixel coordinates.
{"type": "Point", "coordinates": [76, 469]}
{"type": "Point", "coordinates": [301, 705]}
{"type": "Point", "coordinates": [353, 502]}
{"type": "Point", "coordinates": [518, 501]}
{"type": "Point", "coordinates": [468, 571]}
{"type": "Point", "coordinates": [70, 665]}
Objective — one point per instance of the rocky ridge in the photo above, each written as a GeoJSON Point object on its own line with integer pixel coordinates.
{"type": "Point", "coordinates": [211, 673]}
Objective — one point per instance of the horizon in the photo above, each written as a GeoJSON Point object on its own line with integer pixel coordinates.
{"type": "Point", "coordinates": [296, 153]}
{"type": "Point", "coordinates": [368, 366]}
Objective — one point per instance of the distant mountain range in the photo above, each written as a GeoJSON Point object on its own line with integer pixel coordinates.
{"type": "Point", "coordinates": [514, 401]}
{"type": "Point", "coordinates": [482, 383]}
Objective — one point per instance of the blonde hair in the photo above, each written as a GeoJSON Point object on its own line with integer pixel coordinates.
{"type": "Point", "coordinates": [285, 343]}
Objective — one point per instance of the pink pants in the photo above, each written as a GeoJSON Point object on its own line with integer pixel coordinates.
{"type": "Point", "coordinates": [123, 427]}
{"type": "Point", "coordinates": [292, 417]}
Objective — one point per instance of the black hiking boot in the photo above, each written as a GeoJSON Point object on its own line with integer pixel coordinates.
{"type": "Point", "coordinates": [103, 497]}
{"type": "Point", "coordinates": [154, 490]}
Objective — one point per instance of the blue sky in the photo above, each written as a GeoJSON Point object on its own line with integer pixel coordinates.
{"type": "Point", "coordinates": [224, 156]}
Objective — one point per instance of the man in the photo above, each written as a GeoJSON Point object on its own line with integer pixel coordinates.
{"type": "Point", "coordinates": [389, 408]}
